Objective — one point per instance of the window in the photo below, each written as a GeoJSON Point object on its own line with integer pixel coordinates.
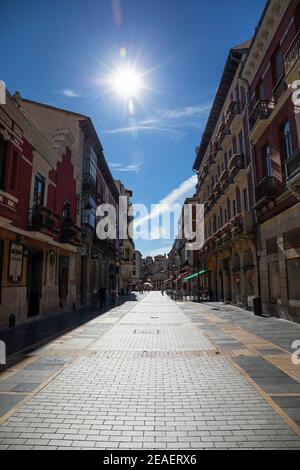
{"type": "Point", "coordinates": [241, 144]}
{"type": "Point", "coordinates": [277, 65]}
{"type": "Point", "coordinates": [234, 145]}
{"type": "Point", "coordinates": [14, 171]}
{"type": "Point", "coordinates": [272, 246]}
{"type": "Point", "coordinates": [245, 200]}
{"type": "Point", "coordinates": [234, 208]}
{"type": "Point", "coordinates": [3, 158]}
{"type": "Point", "coordinates": [226, 160]}
{"type": "Point", "coordinates": [221, 217]}
{"type": "Point", "coordinates": [287, 140]}
{"type": "Point", "coordinates": [127, 254]}
{"type": "Point", "coordinates": [260, 91]}
{"type": "Point", "coordinates": [90, 167]}
{"type": "Point", "coordinates": [66, 211]}
{"type": "Point", "coordinates": [274, 282]}
{"type": "Point", "coordinates": [228, 209]}
{"type": "Point", "coordinates": [267, 160]}
{"type": "Point", "coordinates": [89, 211]}
{"type": "Point", "coordinates": [293, 270]}
{"type": "Point", "coordinates": [39, 191]}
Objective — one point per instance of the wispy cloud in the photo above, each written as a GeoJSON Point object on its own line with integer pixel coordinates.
{"type": "Point", "coordinates": [176, 196]}
{"type": "Point", "coordinates": [69, 93]}
{"type": "Point", "coordinates": [173, 122]}
{"type": "Point", "coordinates": [134, 167]}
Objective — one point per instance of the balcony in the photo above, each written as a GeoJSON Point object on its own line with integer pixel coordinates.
{"type": "Point", "coordinates": [236, 164]}
{"type": "Point", "coordinates": [41, 219]}
{"type": "Point", "coordinates": [292, 168]}
{"type": "Point", "coordinates": [267, 190]}
{"type": "Point", "coordinates": [279, 90]}
{"type": "Point", "coordinates": [290, 60]}
{"type": "Point", "coordinates": [261, 112]}
{"type": "Point", "coordinates": [88, 183]}
{"type": "Point", "coordinates": [234, 109]}
{"type": "Point", "coordinates": [70, 233]}
{"type": "Point", "coordinates": [237, 225]}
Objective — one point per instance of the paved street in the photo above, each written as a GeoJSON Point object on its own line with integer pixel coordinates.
{"type": "Point", "coordinates": [157, 375]}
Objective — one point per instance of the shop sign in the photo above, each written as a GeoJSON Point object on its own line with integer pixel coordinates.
{"type": "Point", "coordinates": [15, 263]}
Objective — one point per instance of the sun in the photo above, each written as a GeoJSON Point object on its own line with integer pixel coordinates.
{"type": "Point", "coordinates": [127, 82]}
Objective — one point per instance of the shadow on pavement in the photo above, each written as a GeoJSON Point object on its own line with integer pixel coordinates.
{"type": "Point", "coordinates": [27, 337]}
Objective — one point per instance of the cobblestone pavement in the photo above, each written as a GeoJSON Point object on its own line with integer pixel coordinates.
{"type": "Point", "coordinates": [150, 374]}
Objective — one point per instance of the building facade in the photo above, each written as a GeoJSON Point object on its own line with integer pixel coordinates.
{"type": "Point", "coordinates": [272, 74]}
{"type": "Point", "coordinates": [96, 260]}
{"type": "Point", "coordinates": [39, 234]}
{"type": "Point", "coordinates": [225, 187]}
{"type": "Point", "coordinates": [137, 273]}
{"type": "Point", "coordinates": [126, 244]}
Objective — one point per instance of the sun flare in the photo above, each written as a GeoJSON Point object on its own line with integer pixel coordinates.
{"type": "Point", "coordinates": [127, 82]}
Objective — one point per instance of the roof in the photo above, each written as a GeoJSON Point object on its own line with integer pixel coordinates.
{"type": "Point", "coordinates": [43, 105]}
{"type": "Point", "coordinates": [231, 66]}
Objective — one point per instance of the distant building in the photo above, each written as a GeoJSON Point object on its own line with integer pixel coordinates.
{"type": "Point", "coordinates": [126, 247]}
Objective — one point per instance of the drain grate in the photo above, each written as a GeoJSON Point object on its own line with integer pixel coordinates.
{"type": "Point", "coordinates": [171, 354]}
{"type": "Point", "coordinates": [146, 331]}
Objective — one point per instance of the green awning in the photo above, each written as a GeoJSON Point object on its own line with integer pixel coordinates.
{"type": "Point", "coordinates": [192, 276]}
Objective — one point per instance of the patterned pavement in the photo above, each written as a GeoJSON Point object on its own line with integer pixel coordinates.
{"type": "Point", "coordinates": [150, 374]}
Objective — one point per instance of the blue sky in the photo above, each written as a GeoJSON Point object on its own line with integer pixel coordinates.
{"type": "Point", "coordinates": [58, 52]}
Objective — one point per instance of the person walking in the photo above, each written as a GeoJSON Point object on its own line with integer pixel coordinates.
{"type": "Point", "coordinates": [102, 295]}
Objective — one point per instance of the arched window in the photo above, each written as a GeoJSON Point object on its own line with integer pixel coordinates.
{"type": "Point", "coordinates": [287, 140]}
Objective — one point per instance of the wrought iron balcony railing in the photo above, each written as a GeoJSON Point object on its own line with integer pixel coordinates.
{"type": "Point", "coordinates": [234, 109]}
{"type": "Point", "coordinates": [292, 166]}
{"type": "Point", "coordinates": [268, 188]}
{"type": "Point", "coordinates": [261, 111]}
{"type": "Point", "coordinates": [41, 219]}
{"type": "Point", "coordinates": [69, 232]}
{"type": "Point", "coordinates": [292, 54]}
{"type": "Point", "coordinates": [279, 89]}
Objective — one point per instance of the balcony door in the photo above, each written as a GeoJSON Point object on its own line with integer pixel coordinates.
{"type": "Point", "coordinates": [39, 191]}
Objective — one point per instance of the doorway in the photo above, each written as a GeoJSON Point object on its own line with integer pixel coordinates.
{"type": "Point", "coordinates": [34, 282]}
{"type": "Point", "coordinates": [63, 280]}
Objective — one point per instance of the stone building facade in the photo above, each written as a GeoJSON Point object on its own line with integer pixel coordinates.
{"type": "Point", "coordinates": [272, 74]}
{"type": "Point", "coordinates": [225, 187]}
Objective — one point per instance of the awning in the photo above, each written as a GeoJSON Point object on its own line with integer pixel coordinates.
{"type": "Point", "coordinates": [192, 276]}
{"type": "Point", "coordinates": [181, 276]}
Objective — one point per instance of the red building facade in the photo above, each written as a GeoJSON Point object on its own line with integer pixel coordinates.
{"type": "Point", "coordinates": [272, 71]}
{"type": "Point", "coordinates": [38, 207]}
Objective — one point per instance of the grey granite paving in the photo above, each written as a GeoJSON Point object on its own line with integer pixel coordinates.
{"type": "Point", "coordinates": [151, 381]}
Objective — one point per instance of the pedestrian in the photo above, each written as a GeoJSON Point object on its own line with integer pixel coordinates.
{"type": "Point", "coordinates": [113, 297]}
{"type": "Point", "coordinates": [102, 296]}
